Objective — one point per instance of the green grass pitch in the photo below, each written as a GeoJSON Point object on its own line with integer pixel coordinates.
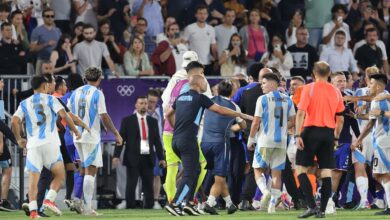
{"type": "Point", "coordinates": [163, 215]}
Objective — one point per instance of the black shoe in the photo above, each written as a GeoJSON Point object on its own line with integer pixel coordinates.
{"type": "Point", "coordinates": [208, 209]}
{"type": "Point", "coordinates": [191, 210]}
{"type": "Point", "coordinates": [320, 214]}
{"type": "Point", "coordinates": [26, 209]}
{"type": "Point", "coordinates": [6, 206]}
{"type": "Point", "coordinates": [309, 212]}
{"type": "Point", "coordinates": [384, 212]}
{"type": "Point", "coordinates": [297, 204]}
{"type": "Point", "coordinates": [174, 210]}
{"type": "Point", "coordinates": [231, 209]}
{"type": "Point", "coordinates": [246, 205]}
{"type": "Point", "coordinates": [43, 215]}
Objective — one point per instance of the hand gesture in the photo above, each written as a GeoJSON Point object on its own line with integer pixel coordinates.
{"type": "Point", "coordinates": [78, 135]}
{"type": "Point", "coordinates": [375, 112]}
{"type": "Point", "coordinates": [299, 142]}
{"type": "Point", "coordinates": [355, 145]}
{"type": "Point", "coordinates": [22, 142]}
{"type": "Point", "coordinates": [246, 117]}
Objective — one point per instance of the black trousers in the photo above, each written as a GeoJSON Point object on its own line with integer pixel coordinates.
{"type": "Point", "coordinates": [249, 189]}
{"type": "Point", "coordinates": [237, 168]}
{"type": "Point", "coordinates": [43, 185]}
{"type": "Point", "coordinates": [145, 171]}
{"type": "Point", "coordinates": [289, 181]}
{"type": "Point", "coordinates": [188, 152]}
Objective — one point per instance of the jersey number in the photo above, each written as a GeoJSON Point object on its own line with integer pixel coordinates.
{"type": "Point", "coordinates": [82, 106]}
{"type": "Point", "coordinates": [278, 113]}
{"type": "Point", "coordinates": [41, 113]}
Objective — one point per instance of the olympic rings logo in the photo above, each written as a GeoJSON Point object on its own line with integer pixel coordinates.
{"type": "Point", "coordinates": [125, 90]}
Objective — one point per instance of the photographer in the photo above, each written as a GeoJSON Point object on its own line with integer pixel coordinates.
{"type": "Point", "coordinates": [168, 56]}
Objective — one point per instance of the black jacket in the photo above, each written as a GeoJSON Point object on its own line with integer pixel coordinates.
{"type": "Point", "coordinates": [130, 133]}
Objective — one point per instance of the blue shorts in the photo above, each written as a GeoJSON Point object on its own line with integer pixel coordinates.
{"type": "Point", "coordinates": [72, 151]}
{"type": "Point", "coordinates": [157, 170]}
{"type": "Point", "coordinates": [5, 164]}
{"type": "Point", "coordinates": [217, 156]}
{"type": "Point", "coordinates": [342, 156]}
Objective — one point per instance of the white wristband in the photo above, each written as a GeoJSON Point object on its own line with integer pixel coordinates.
{"type": "Point", "coordinates": [251, 140]}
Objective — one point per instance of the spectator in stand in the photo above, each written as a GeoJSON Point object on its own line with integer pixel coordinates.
{"type": "Point", "coordinates": [140, 31]}
{"type": "Point", "coordinates": [12, 55]}
{"type": "Point", "coordinates": [118, 12]}
{"type": "Point", "coordinates": [317, 13]}
{"type": "Point", "coordinates": [62, 58]}
{"type": "Point", "coordinates": [201, 38]}
{"type": "Point", "coordinates": [90, 52]}
{"type": "Point", "coordinates": [4, 13]}
{"type": "Point", "coordinates": [339, 13]}
{"type": "Point", "coordinates": [162, 36]}
{"type": "Point", "coordinates": [106, 36]}
{"type": "Point", "coordinates": [238, 8]}
{"type": "Point", "coordinates": [370, 54]}
{"type": "Point", "coordinates": [296, 22]}
{"type": "Point", "coordinates": [215, 10]}
{"type": "Point", "coordinates": [151, 11]}
{"type": "Point", "coordinates": [62, 9]}
{"type": "Point", "coordinates": [278, 57]}
{"type": "Point", "coordinates": [233, 59]}
{"type": "Point", "coordinates": [384, 15]}
{"type": "Point", "coordinates": [77, 35]}
{"type": "Point", "coordinates": [44, 38]}
{"type": "Point", "coordinates": [85, 10]}
{"type": "Point", "coordinates": [179, 9]}
{"type": "Point", "coordinates": [22, 36]}
{"type": "Point", "coordinates": [270, 17]}
{"type": "Point", "coordinates": [254, 38]}
{"type": "Point", "coordinates": [168, 56]}
{"type": "Point", "coordinates": [224, 31]}
{"type": "Point", "coordinates": [287, 9]}
{"type": "Point", "coordinates": [339, 57]}
{"type": "Point", "coordinates": [136, 61]}
{"type": "Point", "coordinates": [303, 54]}
{"type": "Point", "coordinates": [30, 22]}
{"type": "Point", "coordinates": [379, 43]}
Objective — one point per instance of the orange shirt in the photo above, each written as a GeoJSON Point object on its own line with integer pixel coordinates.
{"type": "Point", "coordinates": [321, 101]}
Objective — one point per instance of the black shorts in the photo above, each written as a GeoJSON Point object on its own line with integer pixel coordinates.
{"type": "Point", "coordinates": [64, 151]}
{"type": "Point", "coordinates": [6, 153]}
{"type": "Point", "coordinates": [319, 142]}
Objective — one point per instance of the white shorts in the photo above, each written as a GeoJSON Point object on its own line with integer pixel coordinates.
{"type": "Point", "coordinates": [366, 155]}
{"type": "Point", "coordinates": [43, 156]}
{"type": "Point", "coordinates": [274, 158]}
{"type": "Point", "coordinates": [292, 152]}
{"type": "Point", "coordinates": [90, 154]}
{"type": "Point", "coordinates": [381, 161]}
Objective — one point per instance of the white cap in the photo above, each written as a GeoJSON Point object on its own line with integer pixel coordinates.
{"type": "Point", "coordinates": [188, 57]}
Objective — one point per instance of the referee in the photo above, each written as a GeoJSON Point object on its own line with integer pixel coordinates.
{"type": "Point", "coordinates": [185, 115]}
{"type": "Point", "coordinates": [320, 114]}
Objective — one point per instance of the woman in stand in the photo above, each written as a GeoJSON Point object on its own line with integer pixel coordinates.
{"type": "Point", "coordinates": [136, 61]}
{"type": "Point", "coordinates": [62, 58]}
{"type": "Point", "coordinates": [233, 59]}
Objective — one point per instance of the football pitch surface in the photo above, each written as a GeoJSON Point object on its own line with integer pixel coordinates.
{"type": "Point", "coordinates": [163, 215]}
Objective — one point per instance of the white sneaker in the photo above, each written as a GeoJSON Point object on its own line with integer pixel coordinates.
{"type": "Point", "coordinates": [78, 206]}
{"type": "Point", "coordinates": [380, 203]}
{"type": "Point", "coordinates": [157, 205]}
{"type": "Point", "coordinates": [330, 207]}
{"type": "Point", "coordinates": [201, 207]}
{"type": "Point", "coordinates": [256, 204]}
{"type": "Point", "coordinates": [265, 200]}
{"type": "Point", "coordinates": [91, 212]}
{"type": "Point", "coordinates": [122, 205]}
{"type": "Point", "coordinates": [271, 207]}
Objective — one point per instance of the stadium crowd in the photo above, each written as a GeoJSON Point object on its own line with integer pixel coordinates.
{"type": "Point", "coordinates": [266, 140]}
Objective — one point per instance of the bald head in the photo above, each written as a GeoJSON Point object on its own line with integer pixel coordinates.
{"type": "Point", "coordinates": [263, 72]}
{"type": "Point", "coordinates": [198, 83]}
{"type": "Point", "coordinates": [321, 69]}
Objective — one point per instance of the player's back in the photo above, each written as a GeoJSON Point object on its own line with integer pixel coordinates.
{"type": "Point", "coordinates": [274, 109]}
{"type": "Point", "coordinates": [88, 103]}
{"type": "Point", "coordinates": [381, 131]}
{"type": "Point", "coordinates": [40, 113]}
{"type": "Point", "coordinates": [362, 92]}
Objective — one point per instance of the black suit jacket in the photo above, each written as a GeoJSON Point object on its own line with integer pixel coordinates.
{"type": "Point", "coordinates": [248, 104]}
{"type": "Point", "coordinates": [130, 133]}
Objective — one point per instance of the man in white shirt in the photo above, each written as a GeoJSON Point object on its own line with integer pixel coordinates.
{"type": "Point", "coordinates": [339, 12]}
{"type": "Point", "coordinates": [223, 32]}
{"type": "Point", "coordinates": [339, 57]}
{"type": "Point", "coordinates": [200, 38]}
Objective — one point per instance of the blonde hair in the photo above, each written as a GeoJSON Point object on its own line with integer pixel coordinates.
{"type": "Point", "coordinates": [131, 49]}
{"type": "Point", "coordinates": [371, 70]}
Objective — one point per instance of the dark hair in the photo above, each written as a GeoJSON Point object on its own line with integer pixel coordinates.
{"type": "Point", "coordinates": [337, 7]}
{"type": "Point", "coordinates": [200, 7]}
{"type": "Point", "coordinates": [229, 9]}
{"type": "Point", "coordinates": [379, 77]}
{"type": "Point", "coordinates": [194, 65]}
{"type": "Point", "coordinates": [16, 12]}
{"type": "Point", "coordinates": [61, 41]}
{"type": "Point", "coordinates": [142, 19]}
{"type": "Point", "coordinates": [335, 74]}
{"type": "Point", "coordinates": [59, 81]}
{"type": "Point", "coordinates": [272, 76]}
{"type": "Point", "coordinates": [5, 24]}
{"type": "Point", "coordinates": [242, 82]}
{"type": "Point", "coordinates": [225, 88]}
{"type": "Point", "coordinates": [140, 97]}
{"type": "Point", "coordinates": [74, 81]}
{"type": "Point", "coordinates": [46, 10]}
{"type": "Point", "coordinates": [93, 74]}
{"type": "Point", "coordinates": [87, 26]}
{"type": "Point", "coordinates": [271, 47]}
{"type": "Point", "coordinates": [5, 7]}
{"type": "Point", "coordinates": [99, 35]}
{"type": "Point", "coordinates": [153, 92]}
{"type": "Point", "coordinates": [299, 78]}
{"type": "Point", "coordinates": [37, 81]}
{"type": "Point", "coordinates": [241, 59]}
{"type": "Point", "coordinates": [80, 37]}
{"type": "Point", "coordinates": [371, 30]}
{"type": "Point", "coordinates": [254, 70]}
{"type": "Point", "coordinates": [340, 32]}
{"type": "Point", "coordinates": [49, 77]}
